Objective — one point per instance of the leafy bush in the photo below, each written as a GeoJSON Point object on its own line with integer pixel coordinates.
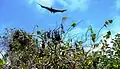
{"type": "Point", "coordinates": [48, 50]}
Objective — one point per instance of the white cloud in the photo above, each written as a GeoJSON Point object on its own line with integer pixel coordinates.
{"type": "Point", "coordinates": [77, 33]}
{"type": "Point", "coordinates": [118, 4]}
{"type": "Point", "coordinates": [71, 5]}
{"type": "Point", "coordinates": [74, 5]}
{"type": "Point", "coordinates": [48, 3]}
{"type": "Point", "coordinates": [30, 1]}
{"type": "Point", "coordinates": [116, 25]}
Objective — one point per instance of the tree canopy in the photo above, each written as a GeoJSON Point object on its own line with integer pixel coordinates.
{"type": "Point", "coordinates": [49, 50]}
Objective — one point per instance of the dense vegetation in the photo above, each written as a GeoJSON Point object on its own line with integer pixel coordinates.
{"type": "Point", "coordinates": [52, 49]}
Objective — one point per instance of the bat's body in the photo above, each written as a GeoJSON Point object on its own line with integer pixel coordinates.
{"type": "Point", "coordinates": [51, 9]}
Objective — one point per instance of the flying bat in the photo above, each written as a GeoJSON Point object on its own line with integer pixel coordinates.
{"type": "Point", "coordinates": [51, 9]}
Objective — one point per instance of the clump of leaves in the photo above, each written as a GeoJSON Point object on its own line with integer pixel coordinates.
{"type": "Point", "coordinates": [21, 49]}
{"type": "Point", "coordinates": [107, 22]}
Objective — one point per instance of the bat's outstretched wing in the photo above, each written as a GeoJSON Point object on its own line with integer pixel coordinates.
{"type": "Point", "coordinates": [44, 6]}
{"type": "Point", "coordinates": [59, 10]}
{"type": "Point", "coordinates": [51, 9]}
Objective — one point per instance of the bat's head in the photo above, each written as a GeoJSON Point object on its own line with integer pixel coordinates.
{"type": "Point", "coordinates": [64, 10]}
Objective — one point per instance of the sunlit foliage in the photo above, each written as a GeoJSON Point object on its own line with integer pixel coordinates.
{"type": "Point", "coordinates": [49, 50]}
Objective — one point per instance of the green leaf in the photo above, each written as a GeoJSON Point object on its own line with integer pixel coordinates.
{"type": "Point", "coordinates": [115, 65]}
{"type": "Point", "coordinates": [37, 26]}
{"type": "Point", "coordinates": [30, 36]}
{"type": "Point", "coordinates": [110, 21]}
{"type": "Point", "coordinates": [108, 35]}
{"type": "Point", "coordinates": [106, 22]}
{"type": "Point", "coordinates": [38, 32]}
{"type": "Point", "coordinates": [102, 47]}
{"type": "Point", "coordinates": [64, 18]}
{"type": "Point", "coordinates": [73, 24]}
{"type": "Point", "coordinates": [91, 30]}
{"type": "Point", "coordinates": [32, 33]}
{"type": "Point", "coordinates": [89, 62]}
{"type": "Point", "coordinates": [80, 42]}
{"type": "Point", "coordinates": [2, 61]}
{"type": "Point", "coordinates": [96, 45]}
{"type": "Point", "coordinates": [93, 37]}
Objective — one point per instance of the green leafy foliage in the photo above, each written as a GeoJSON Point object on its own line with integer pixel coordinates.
{"type": "Point", "coordinates": [2, 62]}
{"type": "Point", "coordinates": [93, 37]}
{"type": "Point", "coordinates": [108, 35]}
{"type": "Point", "coordinates": [107, 22]}
{"type": "Point", "coordinates": [90, 28]}
{"type": "Point", "coordinates": [64, 18]}
{"type": "Point", "coordinates": [73, 24]}
{"type": "Point", "coordinates": [48, 50]}
{"type": "Point", "coordinates": [38, 32]}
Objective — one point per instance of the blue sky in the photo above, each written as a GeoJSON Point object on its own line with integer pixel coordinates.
{"type": "Point", "coordinates": [26, 14]}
